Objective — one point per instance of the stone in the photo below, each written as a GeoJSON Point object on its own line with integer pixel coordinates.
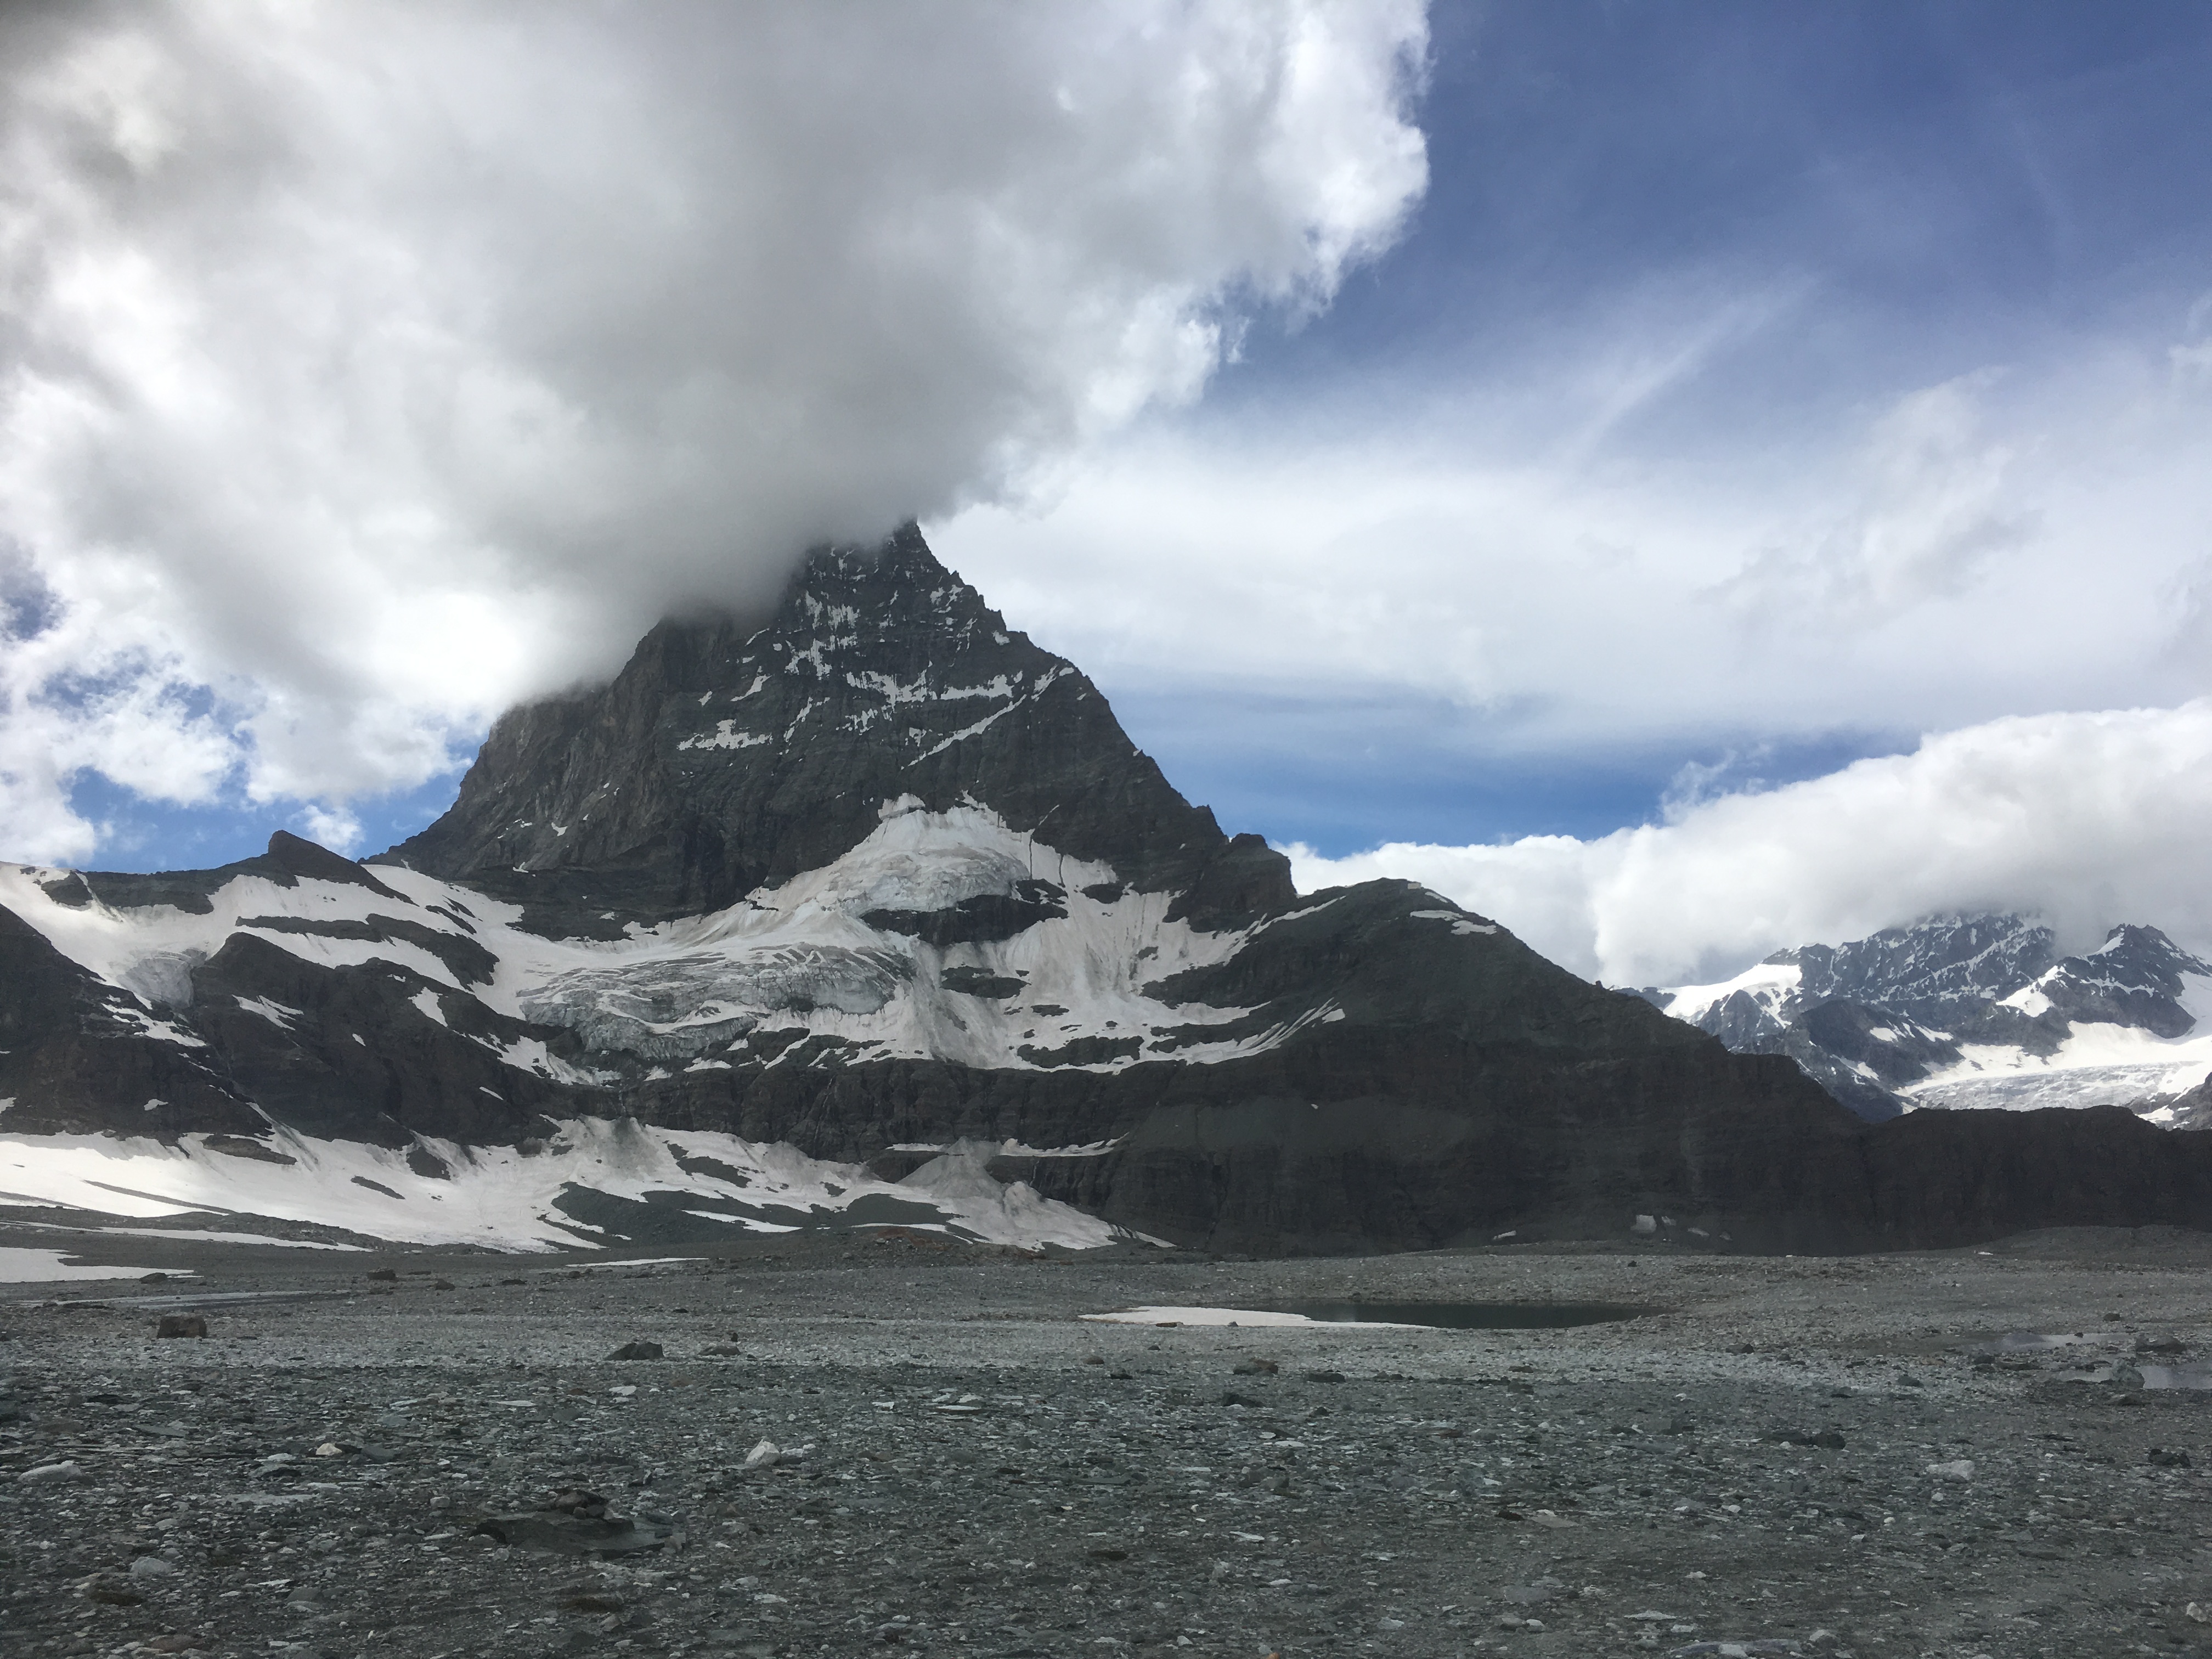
{"type": "Point", "coordinates": [152, 1566]}
{"type": "Point", "coordinates": [764, 1454]}
{"type": "Point", "coordinates": [182, 1324]}
{"type": "Point", "coordinates": [51, 1474]}
{"type": "Point", "coordinates": [639, 1351]}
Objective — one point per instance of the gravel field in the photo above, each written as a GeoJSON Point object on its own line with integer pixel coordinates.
{"type": "Point", "coordinates": [856, 1443]}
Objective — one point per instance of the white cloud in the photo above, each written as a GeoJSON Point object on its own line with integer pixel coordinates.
{"type": "Point", "coordinates": [1996, 543]}
{"type": "Point", "coordinates": [364, 369]}
{"type": "Point", "coordinates": [2088, 819]}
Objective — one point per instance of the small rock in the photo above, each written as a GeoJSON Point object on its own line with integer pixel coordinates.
{"type": "Point", "coordinates": [152, 1566]}
{"type": "Point", "coordinates": [182, 1324]}
{"type": "Point", "coordinates": [764, 1454]}
{"type": "Point", "coordinates": [1323, 1377]}
{"type": "Point", "coordinates": [1959, 1469]}
{"type": "Point", "coordinates": [638, 1351]}
{"type": "Point", "coordinates": [330, 1449]}
{"type": "Point", "coordinates": [2160, 1458]}
{"type": "Point", "coordinates": [1255, 1368]}
{"type": "Point", "coordinates": [384, 1275]}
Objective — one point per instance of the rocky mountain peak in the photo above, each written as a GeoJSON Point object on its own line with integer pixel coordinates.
{"type": "Point", "coordinates": [725, 756]}
{"type": "Point", "coordinates": [1931, 966]}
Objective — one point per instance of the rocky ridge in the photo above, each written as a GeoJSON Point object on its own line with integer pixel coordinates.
{"type": "Point", "coordinates": [1970, 1012]}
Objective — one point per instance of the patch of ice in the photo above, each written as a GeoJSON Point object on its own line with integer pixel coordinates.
{"type": "Point", "coordinates": [504, 1198]}
{"type": "Point", "coordinates": [1459, 925]}
{"type": "Point", "coordinates": [1238, 1317]}
{"type": "Point", "coordinates": [28, 1266]}
{"type": "Point", "coordinates": [725, 735]}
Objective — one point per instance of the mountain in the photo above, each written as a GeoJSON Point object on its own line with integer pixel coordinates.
{"type": "Point", "coordinates": [869, 913]}
{"type": "Point", "coordinates": [1975, 1011]}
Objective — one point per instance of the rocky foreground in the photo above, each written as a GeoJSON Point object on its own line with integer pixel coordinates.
{"type": "Point", "coordinates": [851, 1444]}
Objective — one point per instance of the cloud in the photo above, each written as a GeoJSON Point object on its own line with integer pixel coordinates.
{"type": "Point", "coordinates": [363, 370]}
{"type": "Point", "coordinates": [2088, 819]}
{"type": "Point", "coordinates": [2023, 541]}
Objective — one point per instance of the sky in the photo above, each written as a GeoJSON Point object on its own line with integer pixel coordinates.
{"type": "Point", "coordinates": [1685, 480]}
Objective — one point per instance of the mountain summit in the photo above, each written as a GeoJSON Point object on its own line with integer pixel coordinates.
{"type": "Point", "coordinates": [872, 912]}
{"type": "Point", "coordinates": [725, 758]}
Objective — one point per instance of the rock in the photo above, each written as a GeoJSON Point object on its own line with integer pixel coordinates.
{"type": "Point", "coordinates": [1829, 1439]}
{"type": "Point", "coordinates": [764, 1454]}
{"type": "Point", "coordinates": [383, 1276]}
{"type": "Point", "coordinates": [1322, 1377]}
{"type": "Point", "coordinates": [152, 1566]}
{"type": "Point", "coordinates": [182, 1324]}
{"type": "Point", "coordinates": [638, 1351]}
{"type": "Point", "coordinates": [1959, 1469]}
{"type": "Point", "coordinates": [49, 1474]}
{"type": "Point", "coordinates": [574, 1534]}
{"type": "Point", "coordinates": [1255, 1368]}
{"type": "Point", "coordinates": [2160, 1458]}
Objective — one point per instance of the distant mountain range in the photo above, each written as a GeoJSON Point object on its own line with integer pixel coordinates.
{"type": "Point", "coordinates": [1977, 1012]}
{"type": "Point", "coordinates": [867, 912]}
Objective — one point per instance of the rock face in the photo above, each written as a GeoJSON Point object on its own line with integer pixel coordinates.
{"type": "Point", "coordinates": [1965, 1012]}
{"type": "Point", "coordinates": [724, 759]}
{"type": "Point", "coordinates": [871, 914]}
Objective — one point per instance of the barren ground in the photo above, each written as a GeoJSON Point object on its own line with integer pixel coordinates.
{"type": "Point", "coordinates": [1658, 1485]}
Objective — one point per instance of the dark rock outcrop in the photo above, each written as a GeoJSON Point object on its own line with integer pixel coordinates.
{"type": "Point", "coordinates": [726, 757]}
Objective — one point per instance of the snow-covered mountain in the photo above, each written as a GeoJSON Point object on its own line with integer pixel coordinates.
{"type": "Point", "coordinates": [868, 912]}
{"type": "Point", "coordinates": [1968, 1011]}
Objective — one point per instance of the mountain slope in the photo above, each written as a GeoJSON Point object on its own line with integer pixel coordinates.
{"type": "Point", "coordinates": [1964, 1012]}
{"type": "Point", "coordinates": [871, 913]}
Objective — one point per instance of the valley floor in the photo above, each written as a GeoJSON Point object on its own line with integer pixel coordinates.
{"type": "Point", "coordinates": [1805, 1454]}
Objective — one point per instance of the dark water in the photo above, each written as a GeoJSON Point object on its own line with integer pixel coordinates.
{"type": "Point", "coordinates": [1465, 1315]}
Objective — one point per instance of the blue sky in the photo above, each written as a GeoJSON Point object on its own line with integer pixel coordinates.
{"type": "Point", "coordinates": [1892, 196]}
{"type": "Point", "coordinates": [1715, 403]}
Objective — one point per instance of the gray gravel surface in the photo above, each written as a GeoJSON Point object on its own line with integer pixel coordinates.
{"type": "Point", "coordinates": [851, 1446]}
